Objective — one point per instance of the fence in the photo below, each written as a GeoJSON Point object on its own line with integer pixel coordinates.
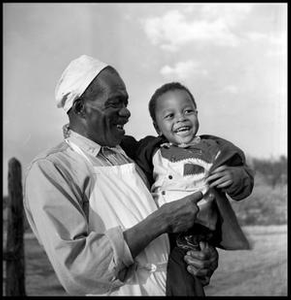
{"type": "Point", "coordinates": [14, 254]}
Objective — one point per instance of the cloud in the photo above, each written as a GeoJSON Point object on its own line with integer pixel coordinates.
{"type": "Point", "coordinates": [207, 23]}
{"type": "Point", "coordinates": [279, 39]}
{"type": "Point", "coordinates": [183, 70]}
{"type": "Point", "coordinates": [276, 43]}
{"type": "Point", "coordinates": [231, 14]}
{"type": "Point", "coordinates": [231, 89]}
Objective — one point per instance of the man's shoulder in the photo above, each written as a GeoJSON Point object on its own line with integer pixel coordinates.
{"type": "Point", "coordinates": [52, 154]}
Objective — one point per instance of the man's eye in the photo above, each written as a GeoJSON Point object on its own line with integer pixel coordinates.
{"type": "Point", "coordinates": [115, 104]}
{"type": "Point", "coordinates": [118, 103]}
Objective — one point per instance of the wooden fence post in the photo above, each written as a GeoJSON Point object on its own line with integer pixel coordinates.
{"type": "Point", "coordinates": [14, 254]}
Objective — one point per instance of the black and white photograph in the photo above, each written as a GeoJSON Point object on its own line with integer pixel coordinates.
{"type": "Point", "coordinates": [145, 149]}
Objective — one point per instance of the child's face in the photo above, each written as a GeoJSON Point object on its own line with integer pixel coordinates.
{"type": "Point", "coordinates": [176, 117]}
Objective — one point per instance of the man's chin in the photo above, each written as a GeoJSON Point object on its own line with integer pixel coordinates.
{"type": "Point", "coordinates": [116, 141]}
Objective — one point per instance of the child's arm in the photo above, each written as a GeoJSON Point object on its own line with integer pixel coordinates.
{"type": "Point", "coordinates": [230, 171]}
{"type": "Point", "coordinates": [236, 181]}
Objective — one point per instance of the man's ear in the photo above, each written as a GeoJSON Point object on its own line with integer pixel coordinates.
{"type": "Point", "coordinates": [78, 107]}
{"type": "Point", "coordinates": [157, 129]}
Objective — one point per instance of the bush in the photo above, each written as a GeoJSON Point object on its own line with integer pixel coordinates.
{"type": "Point", "coordinates": [274, 172]}
{"type": "Point", "coordinates": [265, 206]}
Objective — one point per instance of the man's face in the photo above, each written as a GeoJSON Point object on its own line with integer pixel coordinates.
{"type": "Point", "coordinates": [176, 117]}
{"type": "Point", "coordinates": [106, 111]}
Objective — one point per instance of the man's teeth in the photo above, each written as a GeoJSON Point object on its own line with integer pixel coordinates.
{"type": "Point", "coordinates": [119, 126]}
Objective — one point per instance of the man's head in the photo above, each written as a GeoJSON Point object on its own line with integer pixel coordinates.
{"type": "Point", "coordinates": [174, 113]}
{"type": "Point", "coordinates": [100, 111]}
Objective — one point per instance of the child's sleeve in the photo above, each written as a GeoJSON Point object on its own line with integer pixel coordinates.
{"type": "Point", "coordinates": [243, 182]}
{"type": "Point", "coordinates": [234, 157]}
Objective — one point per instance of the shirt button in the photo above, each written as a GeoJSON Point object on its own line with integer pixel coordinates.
{"type": "Point", "coordinates": [153, 268]}
{"type": "Point", "coordinates": [170, 177]}
{"type": "Point", "coordinates": [163, 192]}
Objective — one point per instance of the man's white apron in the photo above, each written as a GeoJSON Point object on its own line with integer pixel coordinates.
{"type": "Point", "coordinates": [120, 198]}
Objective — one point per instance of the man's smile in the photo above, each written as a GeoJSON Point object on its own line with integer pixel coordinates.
{"type": "Point", "coordinates": [120, 128]}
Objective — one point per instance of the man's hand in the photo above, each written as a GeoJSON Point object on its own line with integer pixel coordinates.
{"type": "Point", "coordinates": [180, 215]}
{"type": "Point", "coordinates": [176, 216]}
{"type": "Point", "coordinates": [202, 263]}
{"type": "Point", "coordinates": [222, 177]}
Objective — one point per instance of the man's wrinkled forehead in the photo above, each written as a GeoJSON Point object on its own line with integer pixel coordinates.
{"type": "Point", "coordinates": [108, 80]}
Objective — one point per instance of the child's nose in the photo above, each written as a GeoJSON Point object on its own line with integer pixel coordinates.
{"type": "Point", "coordinates": [180, 118]}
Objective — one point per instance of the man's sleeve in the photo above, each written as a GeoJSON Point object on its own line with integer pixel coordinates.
{"type": "Point", "coordinates": [86, 262]}
{"type": "Point", "coordinates": [130, 146]}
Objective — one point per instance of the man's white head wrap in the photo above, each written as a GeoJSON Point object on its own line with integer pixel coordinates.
{"type": "Point", "coordinates": [75, 79]}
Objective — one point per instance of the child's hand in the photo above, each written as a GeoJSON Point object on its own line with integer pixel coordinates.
{"type": "Point", "coordinates": [222, 177]}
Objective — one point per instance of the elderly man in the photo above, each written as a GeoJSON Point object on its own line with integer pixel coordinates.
{"type": "Point", "coordinates": [89, 205]}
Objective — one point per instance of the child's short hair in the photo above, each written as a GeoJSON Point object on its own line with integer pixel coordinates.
{"type": "Point", "coordinates": [164, 89]}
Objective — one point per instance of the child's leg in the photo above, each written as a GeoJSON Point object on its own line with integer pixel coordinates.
{"type": "Point", "coordinates": [179, 281]}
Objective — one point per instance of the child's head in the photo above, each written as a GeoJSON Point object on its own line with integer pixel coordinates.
{"type": "Point", "coordinates": [174, 113]}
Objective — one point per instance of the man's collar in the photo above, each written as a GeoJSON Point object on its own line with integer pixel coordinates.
{"type": "Point", "coordinates": [88, 145]}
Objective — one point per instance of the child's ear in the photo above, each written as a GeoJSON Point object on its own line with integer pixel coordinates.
{"type": "Point", "coordinates": [157, 129]}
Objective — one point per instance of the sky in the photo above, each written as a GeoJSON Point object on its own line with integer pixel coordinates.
{"type": "Point", "coordinates": [232, 56]}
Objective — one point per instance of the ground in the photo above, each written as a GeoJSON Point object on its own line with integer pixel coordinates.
{"type": "Point", "coordinates": [261, 271]}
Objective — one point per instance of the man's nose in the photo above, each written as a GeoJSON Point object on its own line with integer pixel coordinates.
{"type": "Point", "coordinates": [124, 112]}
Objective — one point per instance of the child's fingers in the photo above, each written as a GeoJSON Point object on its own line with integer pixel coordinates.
{"type": "Point", "coordinates": [213, 177]}
{"type": "Point", "coordinates": [219, 169]}
{"type": "Point", "coordinates": [221, 185]}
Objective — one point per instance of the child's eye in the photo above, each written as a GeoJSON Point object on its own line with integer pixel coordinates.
{"type": "Point", "coordinates": [168, 116]}
{"type": "Point", "coordinates": [189, 111]}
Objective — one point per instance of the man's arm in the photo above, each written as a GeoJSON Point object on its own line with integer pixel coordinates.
{"type": "Point", "coordinates": [142, 152]}
{"type": "Point", "coordinates": [86, 262]}
{"type": "Point", "coordinates": [176, 216]}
